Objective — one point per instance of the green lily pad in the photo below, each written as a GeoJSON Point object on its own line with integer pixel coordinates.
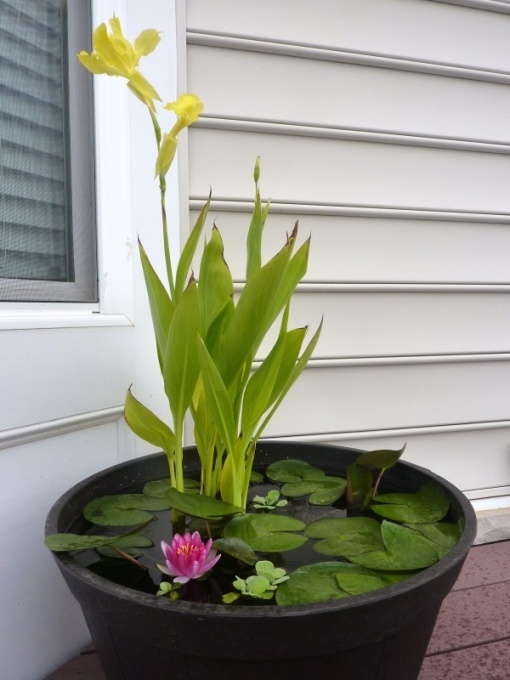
{"type": "Point", "coordinates": [346, 536]}
{"type": "Point", "coordinates": [444, 534]}
{"type": "Point", "coordinates": [359, 583]}
{"type": "Point", "coordinates": [331, 489]}
{"type": "Point", "coordinates": [324, 490]}
{"type": "Point", "coordinates": [237, 548]}
{"type": "Point", "coordinates": [256, 477]}
{"type": "Point", "coordinates": [293, 471]}
{"type": "Point", "coordinates": [298, 489]}
{"type": "Point", "coordinates": [133, 545]}
{"type": "Point", "coordinates": [405, 550]}
{"type": "Point", "coordinates": [200, 506]}
{"type": "Point", "coordinates": [315, 583]}
{"type": "Point", "coordinates": [381, 459]}
{"type": "Point", "coordinates": [70, 542]}
{"type": "Point", "coordinates": [267, 533]}
{"type": "Point", "coordinates": [158, 487]}
{"type": "Point", "coordinates": [427, 505]}
{"type": "Point", "coordinates": [123, 509]}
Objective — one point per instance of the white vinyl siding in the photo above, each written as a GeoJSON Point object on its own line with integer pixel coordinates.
{"type": "Point", "coordinates": [383, 127]}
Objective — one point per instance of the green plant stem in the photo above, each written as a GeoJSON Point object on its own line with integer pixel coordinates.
{"type": "Point", "coordinates": [250, 455]}
{"type": "Point", "coordinates": [179, 456]}
{"type": "Point", "coordinates": [208, 481]}
{"type": "Point", "coordinates": [164, 220]}
{"type": "Point", "coordinates": [171, 466]}
{"type": "Point", "coordinates": [377, 482]}
{"type": "Point", "coordinates": [129, 558]}
{"type": "Point", "coordinates": [166, 243]}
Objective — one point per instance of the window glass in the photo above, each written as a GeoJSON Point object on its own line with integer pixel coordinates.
{"type": "Point", "coordinates": [46, 216]}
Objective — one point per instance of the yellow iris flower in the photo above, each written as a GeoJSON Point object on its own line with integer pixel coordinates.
{"type": "Point", "coordinates": [187, 108]}
{"type": "Point", "coordinates": [114, 55]}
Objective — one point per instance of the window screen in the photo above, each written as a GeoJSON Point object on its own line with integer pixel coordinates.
{"type": "Point", "coordinates": [47, 250]}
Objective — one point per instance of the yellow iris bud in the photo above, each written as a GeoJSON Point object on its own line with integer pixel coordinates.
{"type": "Point", "coordinates": [166, 154]}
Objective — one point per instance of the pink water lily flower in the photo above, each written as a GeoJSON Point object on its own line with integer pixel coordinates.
{"type": "Point", "coordinates": [187, 557]}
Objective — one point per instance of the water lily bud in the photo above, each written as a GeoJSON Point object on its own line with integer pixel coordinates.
{"type": "Point", "coordinates": [166, 154]}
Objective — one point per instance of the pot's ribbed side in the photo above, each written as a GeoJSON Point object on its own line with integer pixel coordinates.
{"type": "Point", "coordinates": [379, 636]}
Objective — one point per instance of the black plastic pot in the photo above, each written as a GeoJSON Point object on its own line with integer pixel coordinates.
{"type": "Point", "coordinates": [378, 636]}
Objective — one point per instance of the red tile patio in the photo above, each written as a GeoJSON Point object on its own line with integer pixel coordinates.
{"type": "Point", "coordinates": [471, 640]}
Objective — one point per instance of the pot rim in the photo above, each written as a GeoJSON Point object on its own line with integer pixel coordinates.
{"type": "Point", "coordinates": [67, 563]}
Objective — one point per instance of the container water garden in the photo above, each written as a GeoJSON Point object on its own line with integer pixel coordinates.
{"type": "Point", "coordinates": [241, 557]}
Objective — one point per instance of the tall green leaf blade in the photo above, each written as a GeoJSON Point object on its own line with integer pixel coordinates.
{"type": "Point", "coordinates": [294, 375]}
{"type": "Point", "coordinates": [253, 316]}
{"type": "Point", "coordinates": [147, 425]}
{"type": "Point", "coordinates": [218, 399]}
{"type": "Point", "coordinates": [254, 238]}
{"type": "Point", "coordinates": [181, 365]}
{"type": "Point", "coordinates": [188, 252]}
{"type": "Point", "coordinates": [215, 285]}
{"type": "Point", "coordinates": [161, 306]}
{"type": "Point", "coordinates": [293, 343]}
{"type": "Point", "coordinates": [294, 273]}
{"type": "Point", "coordinates": [359, 485]}
{"type": "Point", "coordinates": [260, 387]}
{"type": "Point", "coordinates": [216, 329]}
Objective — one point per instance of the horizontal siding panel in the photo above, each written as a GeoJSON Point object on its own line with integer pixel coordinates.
{"type": "Point", "coordinates": [360, 398]}
{"type": "Point", "coordinates": [413, 29]}
{"type": "Point", "coordinates": [381, 127]}
{"type": "Point", "coordinates": [322, 171]}
{"type": "Point", "coordinates": [453, 455]}
{"type": "Point", "coordinates": [358, 97]}
{"type": "Point", "coordinates": [376, 249]}
{"type": "Point", "coordinates": [404, 324]}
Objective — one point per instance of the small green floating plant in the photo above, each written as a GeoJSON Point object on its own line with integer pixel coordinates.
{"type": "Point", "coordinates": [207, 343]}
